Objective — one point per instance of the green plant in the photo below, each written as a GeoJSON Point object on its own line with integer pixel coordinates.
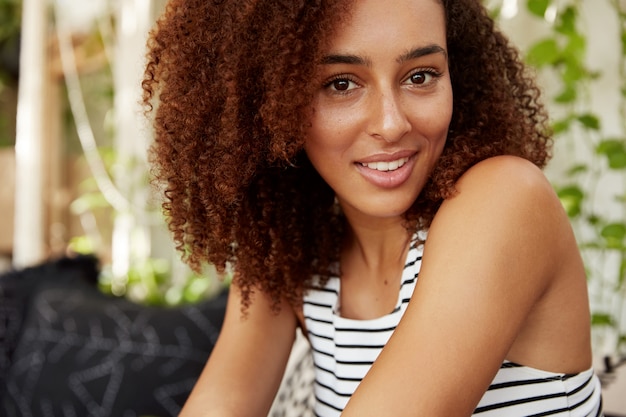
{"type": "Point", "coordinates": [10, 18]}
{"type": "Point", "coordinates": [592, 180]}
{"type": "Point", "coordinates": [151, 280]}
{"type": "Point", "coordinates": [10, 23]}
{"type": "Point", "coordinates": [119, 217]}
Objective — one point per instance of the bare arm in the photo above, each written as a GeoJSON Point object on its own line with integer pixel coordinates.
{"type": "Point", "coordinates": [246, 366]}
{"type": "Point", "coordinates": [491, 256]}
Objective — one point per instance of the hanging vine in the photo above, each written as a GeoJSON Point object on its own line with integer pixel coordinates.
{"type": "Point", "coordinates": [592, 184]}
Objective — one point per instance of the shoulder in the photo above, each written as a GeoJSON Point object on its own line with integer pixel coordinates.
{"type": "Point", "coordinates": [503, 172]}
{"type": "Point", "coordinates": [507, 206]}
{"type": "Point", "coordinates": [504, 183]}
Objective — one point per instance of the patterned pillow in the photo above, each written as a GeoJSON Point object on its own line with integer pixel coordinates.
{"type": "Point", "coordinates": [81, 353]}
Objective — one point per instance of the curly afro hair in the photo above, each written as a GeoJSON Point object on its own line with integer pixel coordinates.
{"type": "Point", "coordinates": [230, 84]}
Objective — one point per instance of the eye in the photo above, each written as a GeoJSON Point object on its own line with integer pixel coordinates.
{"type": "Point", "coordinates": [419, 78]}
{"type": "Point", "coordinates": [340, 83]}
{"type": "Point", "coordinates": [422, 77]}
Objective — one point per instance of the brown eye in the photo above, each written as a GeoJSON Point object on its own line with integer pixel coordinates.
{"type": "Point", "coordinates": [422, 77]}
{"type": "Point", "coordinates": [341, 85]}
{"type": "Point", "coordinates": [418, 78]}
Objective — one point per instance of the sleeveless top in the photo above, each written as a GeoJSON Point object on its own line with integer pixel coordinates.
{"type": "Point", "coordinates": [344, 349]}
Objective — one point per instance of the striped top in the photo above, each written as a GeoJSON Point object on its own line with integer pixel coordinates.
{"type": "Point", "coordinates": [344, 349]}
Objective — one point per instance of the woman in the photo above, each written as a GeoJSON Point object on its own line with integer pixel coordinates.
{"type": "Point", "coordinates": [370, 170]}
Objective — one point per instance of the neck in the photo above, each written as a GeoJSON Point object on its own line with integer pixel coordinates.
{"type": "Point", "coordinates": [377, 245]}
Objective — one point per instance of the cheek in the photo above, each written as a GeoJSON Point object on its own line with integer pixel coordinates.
{"type": "Point", "coordinates": [437, 120]}
{"type": "Point", "coordinates": [329, 132]}
{"type": "Point", "coordinates": [318, 142]}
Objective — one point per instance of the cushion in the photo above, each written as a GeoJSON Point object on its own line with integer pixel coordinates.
{"type": "Point", "coordinates": [81, 353]}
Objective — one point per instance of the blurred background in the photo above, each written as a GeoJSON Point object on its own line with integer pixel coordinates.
{"type": "Point", "coordinates": [73, 143]}
{"type": "Point", "coordinates": [74, 140]}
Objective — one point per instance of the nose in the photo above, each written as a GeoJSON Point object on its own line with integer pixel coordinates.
{"type": "Point", "coordinates": [387, 117]}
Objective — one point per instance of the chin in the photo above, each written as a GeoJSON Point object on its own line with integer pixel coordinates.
{"type": "Point", "coordinates": [382, 210]}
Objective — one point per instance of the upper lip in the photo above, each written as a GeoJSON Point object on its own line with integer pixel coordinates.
{"type": "Point", "coordinates": [387, 157]}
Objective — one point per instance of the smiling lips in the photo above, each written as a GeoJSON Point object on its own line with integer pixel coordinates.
{"type": "Point", "coordinates": [386, 166]}
{"type": "Point", "coordinates": [387, 174]}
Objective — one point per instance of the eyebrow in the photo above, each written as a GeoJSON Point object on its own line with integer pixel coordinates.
{"type": "Point", "coordinates": [359, 60]}
{"type": "Point", "coordinates": [423, 51]}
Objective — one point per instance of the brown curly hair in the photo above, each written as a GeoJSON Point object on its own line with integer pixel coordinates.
{"type": "Point", "coordinates": [231, 83]}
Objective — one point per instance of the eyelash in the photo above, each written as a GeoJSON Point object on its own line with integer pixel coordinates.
{"type": "Point", "coordinates": [428, 71]}
{"type": "Point", "coordinates": [346, 77]}
{"type": "Point", "coordinates": [339, 77]}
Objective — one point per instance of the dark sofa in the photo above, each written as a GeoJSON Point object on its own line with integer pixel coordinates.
{"type": "Point", "coordinates": [66, 349]}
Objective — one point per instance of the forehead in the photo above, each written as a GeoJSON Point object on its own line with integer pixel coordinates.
{"type": "Point", "coordinates": [378, 23]}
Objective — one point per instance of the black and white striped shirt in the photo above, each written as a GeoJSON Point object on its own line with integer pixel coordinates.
{"type": "Point", "coordinates": [344, 349]}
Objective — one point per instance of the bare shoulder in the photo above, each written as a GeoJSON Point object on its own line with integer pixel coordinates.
{"type": "Point", "coordinates": [508, 189]}
{"type": "Point", "coordinates": [504, 172]}
{"type": "Point", "coordinates": [511, 241]}
{"type": "Point", "coordinates": [506, 207]}
{"type": "Point", "coordinates": [519, 232]}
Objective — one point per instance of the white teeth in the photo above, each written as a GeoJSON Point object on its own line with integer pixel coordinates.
{"type": "Point", "coordinates": [386, 166]}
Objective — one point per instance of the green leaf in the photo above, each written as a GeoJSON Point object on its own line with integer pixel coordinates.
{"type": "Point", "coordinates": [562, 125]}
{"type": "Point", "coordinates": [566, 23]}
{"type": "Point", "coordinates": [594, 219]}
{"type": "Point", "coordinates": [577, 169]}
{"type": "Point", "coordinates": [538, 7]}
{"type": "Point", "coordinates": [614, 230]}
{"type": "Point", "coordinates": [544, 52]}
{"type": "Point", "coordinates": [615, 151]}
{"type": "Point", "coordinates": [568, 95]}
{"type": "Point", "coordinates": [614, 235]}
{"type": "Point", "coordinates": [576, 47]}
{"type": "Point", "coordinates": [608, 146]}
{"type": "Point", "coordinates": [83, 245]}
{"type": "Point", "coordinates": [196, 289]}
{"type": "Point", "coordinates": [590, 121]}
{"type": "Point", "coordinates": [602, 319]}
{"type": "Point", "coordinates": [573, 70]}
{"type": "Point", "coordinates": [617, 160]}
{"type": "Point", "coordinates": [571, 198]}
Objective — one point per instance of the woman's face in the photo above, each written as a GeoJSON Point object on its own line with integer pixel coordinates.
{"type": "Point", "coordinates": [381, 115]}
